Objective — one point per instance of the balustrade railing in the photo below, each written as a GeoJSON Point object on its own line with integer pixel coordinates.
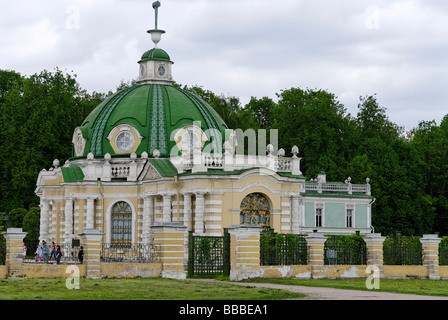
{"type": "Point", "coordinates": [120, 171]}
{"type": "Point", "coordinates": [337, 187]}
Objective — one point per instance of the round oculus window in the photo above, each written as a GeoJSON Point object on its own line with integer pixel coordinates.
{"type": "Point", "coordinates": [125, 141]}
{"type": "Point", "coordinates": [161, 70]}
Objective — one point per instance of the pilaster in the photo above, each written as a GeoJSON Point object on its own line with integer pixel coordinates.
{"type": "Point", "coordinates": [295, 220]}
{"type": "Point", "coordinates": [244, 252]}
{"type": "Point", "coordinates": [199, 214]}
{"type": "Point", "coordinates": [187, 212]}
{"type": "Point", "coordinates": [316, 243]}
{"type": "Point", "coordinates": [14, 251]}
{"type": "Point", "coordinates": [374, 245]}
{"type": "Point", "coordinates": [170, 240]}
{"type": "Point", "coordinates": [91, 241]}
{"type": "Point", "coordinates": [430, 247]}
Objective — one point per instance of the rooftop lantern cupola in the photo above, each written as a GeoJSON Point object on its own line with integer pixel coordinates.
{"type": "Point", "coordinates": [155, 64]}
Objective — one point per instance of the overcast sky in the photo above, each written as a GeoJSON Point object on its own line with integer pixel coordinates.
{"type": "Point", "coordinates": [395, 49]}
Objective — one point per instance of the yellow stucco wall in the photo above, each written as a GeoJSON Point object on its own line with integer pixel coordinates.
{"type": "Point", "coordinates": [3, 271]}
{"type": "Point", "coordinates": [131, 270]}
{"type": "Point", "coordinates": [49, 271]}
{"type": "Point", "coordinates": [443, 272]}
{"type": "Point", "coordinates": [222, 204]}
{"type": "Point", "coordinates": [405, 271]}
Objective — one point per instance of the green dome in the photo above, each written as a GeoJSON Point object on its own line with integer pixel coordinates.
{"type": "Point", "coordinates": [155, 54]}
{"type": "Point", "coordinates": [153, 111]}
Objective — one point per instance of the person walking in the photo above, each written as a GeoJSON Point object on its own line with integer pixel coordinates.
{"type": "Point", "coordinates": [58, 254]}
{"type": "Point", "coordinates": [38, 253]}
{"type": "Point", "coordinates": [45, 251]}
{"type": "Point", "coordinates": [53, 250]}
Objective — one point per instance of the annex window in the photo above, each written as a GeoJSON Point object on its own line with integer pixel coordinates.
{"type": "Point", "coordinates": [255, 210]}
{"type": "Point", "coordinates": [349, 218]}
{"type": "Point", "coordinates": [318, 217]}
{"type": "Point", "coordinates": [121, 216]}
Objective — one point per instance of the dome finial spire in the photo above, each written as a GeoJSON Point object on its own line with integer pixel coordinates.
{"type": "Point", "coordinates": [156, 6]}
{"type": "Point", "coordinates": [156, 34]}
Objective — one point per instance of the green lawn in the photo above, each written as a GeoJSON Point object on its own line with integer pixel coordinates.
{"type": "Point", "coordinates": [410, 286]}
{"type": "Point", "coordinates": [135, 289]}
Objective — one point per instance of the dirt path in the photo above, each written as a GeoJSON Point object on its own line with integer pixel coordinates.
{"type": "Point", "coordinates": [320, 293]}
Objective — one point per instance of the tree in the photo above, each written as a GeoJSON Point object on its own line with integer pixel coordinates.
{"type": "Point", "coordinates": [261, 111]}
{"type": "Point", "coordinates": [372, 120]}
{"type": "Point", "coordinates": [431, 144]}
{"type": "Point", "coordinates": [31, 223]}
{"type": "Point", "coordinates": [16, 216]}
{"type": "Point", "coordinates": [317, 123]}
{"type": "Point", "coordinates": [228, 107]}
{"type": "Point", "coordinates": [37, 117]}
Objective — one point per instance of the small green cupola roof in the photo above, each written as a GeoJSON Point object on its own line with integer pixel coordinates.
{"type": "Point", "coordinates": [155, 54]}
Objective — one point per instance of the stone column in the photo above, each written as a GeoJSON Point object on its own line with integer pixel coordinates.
{"type": "Point", "coordinates": [170, 240]}
{"type": "Point", "coordinates": [148, 219]}
{"type": "Point", "coordinates": [199, 214]}
{"type": "Point", "coordinates": [430, 247]}
{"type": "Point", "coordinates": [68, 218]}
{"type": "Point", "coordinates": [44, 212]}
{"type": "Point", "coordinates": [91, 241]}
{"type": "Point", "coordinates": [90, 219]}
{"type": "Point", "coordinates": [374, 244]}
{"type": "Point", "coordinates": [166, 213]}
{"type": "Point", "coordinates": [187, 212]}
{"type": "Point", "coordinates": [245, 252]}
{"type": "Point", "coordinates": [68, 224]}
{"type": "Point", "coordinates": [14, 251]}
{"type": "Point", "coordinates": [316, 243]}
{"type": "Point", "coordinates": [295, 221]}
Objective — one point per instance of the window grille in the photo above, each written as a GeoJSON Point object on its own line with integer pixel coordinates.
{"type": "Point", "coordinates": [255, 210]}
{"type": "Point", "coordinates": [121, 230]}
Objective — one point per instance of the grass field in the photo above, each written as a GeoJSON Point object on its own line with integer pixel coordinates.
{"type": "Point", "coordinates": [168, 289]}
{"type": "Point", "coordinates": [409, 286]}
{"type": "Point", "coordinates": [135, 289]}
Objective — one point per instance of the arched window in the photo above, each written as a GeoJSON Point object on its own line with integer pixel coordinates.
{"type": "Point", "coordinates": [255, 210]}
{"type": "Point", "coordinates": [121, 227]}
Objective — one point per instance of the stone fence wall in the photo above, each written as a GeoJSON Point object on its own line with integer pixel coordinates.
{"type": "Point", "coordinates": [246, 262]}
{"type": "Point", "coordinates": [172, 240]}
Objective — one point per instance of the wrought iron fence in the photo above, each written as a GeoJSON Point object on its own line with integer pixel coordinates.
{"type": "Point", "coordinates": [345, 250]}
{"type": "Point", "coordinates": [402, 250]}
{"type": "Point", "coordinates": [2, 251]}
{"type": "Point", "coordinates": [283, 249]}
{"type": "Point", "coordinates": [443, 251]}
{"type": "Point", "coordinates": [69, 254]}
{"type": "Point", "coordinates": [209, 255]}
{"type": "Point", "coordinates": [133, 252]}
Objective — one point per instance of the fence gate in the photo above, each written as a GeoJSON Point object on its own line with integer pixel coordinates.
{"type": "Point", "coordinates": [208, 255]}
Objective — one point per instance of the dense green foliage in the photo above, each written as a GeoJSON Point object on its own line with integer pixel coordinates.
{"type": "Point", "coordinates": [408, 171]}
{"type": "Point", "coordinates": [37, 117]}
